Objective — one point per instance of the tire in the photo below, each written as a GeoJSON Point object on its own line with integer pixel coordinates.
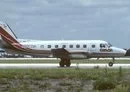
{"type": "Point", "coordinates": [68, 63]}
{"type": "Point", "coordinates": [110, 64]}
{"type": "Point", "coordinates": [61, 63]}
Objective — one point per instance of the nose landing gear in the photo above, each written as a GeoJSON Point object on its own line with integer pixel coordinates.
{"type": "Point", "coordinates": [111, 63]}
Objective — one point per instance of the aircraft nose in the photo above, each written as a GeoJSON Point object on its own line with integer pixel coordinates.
{"type": "Point", "coordinates": [127, 52]}
{"type": "Point", "coordinates": [119, 50]}
{"type": "Point", "coordinates": [123, 51]}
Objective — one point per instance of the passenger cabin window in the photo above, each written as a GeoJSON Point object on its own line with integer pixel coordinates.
{"type": "Point", "coordinates": [32, 46]}
{"type": "Point", "coordinates": [71, 46]}
{"type": "Point", "coordinates": [49, 46]}
{"type": "Point", "coordinates": [56, 46]}
{"type": "Point", "coordinates": [42, 46]}
{"type": "Point", "coordinates": [77, 46]}
{"type": "Point", "coordinates": [84, 46]}
{"type": "Point", "coordinates": [63, 46]}
{"type": "Point", "coordinates": [93, 46]}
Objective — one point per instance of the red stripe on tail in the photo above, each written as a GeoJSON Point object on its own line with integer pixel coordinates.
{"type": "Point", "coordinates": [4, 33]}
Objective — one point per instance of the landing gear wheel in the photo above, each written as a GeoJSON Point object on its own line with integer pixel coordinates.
{"type": "Point", "coordinates": [61, 63]}
{"type": "Point", "coordinates": [110, 64]}
{"type": "Point", "coordinates": [64, 62]}
{"type": "Point", "coordinates": [68, 63]}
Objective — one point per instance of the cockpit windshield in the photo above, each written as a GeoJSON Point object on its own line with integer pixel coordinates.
{"type": "Point", "coordinates": [106, 45]}
{"type": "Point", "coordinates": [109, 45]}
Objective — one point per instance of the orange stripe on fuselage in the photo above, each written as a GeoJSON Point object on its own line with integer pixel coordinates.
{"type": "Point", "coordinates": [3, 32]}
{"type": "Point", "coordinates": [15, 44]}
{"type": "Point", "coordinates": [10, 40]}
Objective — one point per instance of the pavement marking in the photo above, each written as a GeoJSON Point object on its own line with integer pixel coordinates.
{"type": "Point", "coordinates": [51, 66]}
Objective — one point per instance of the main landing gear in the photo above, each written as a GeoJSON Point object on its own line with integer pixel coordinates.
{"type": "Point", "coordinates": [111, 63]}
{"type": "Point", "coordinates": [65, 62]}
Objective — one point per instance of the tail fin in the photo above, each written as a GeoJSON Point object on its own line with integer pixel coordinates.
{"type": "Point", "coordinates": [7, 34]}
{"type": "Point", "coordinates": [12, 31]}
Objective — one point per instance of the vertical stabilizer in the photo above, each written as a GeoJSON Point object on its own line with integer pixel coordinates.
{"type": "Point", "coordinates": [7, 33]}
{"type": "Point", "coordinates": [7, 28]}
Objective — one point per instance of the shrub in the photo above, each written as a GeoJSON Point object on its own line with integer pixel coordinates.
{"type": "Point", "coordinates": [104, 84]}
{"type": "Point", "coordinates": [122, 88]}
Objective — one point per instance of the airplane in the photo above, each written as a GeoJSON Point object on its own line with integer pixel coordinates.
{"type": "Point", "coordinates": [66, 50]}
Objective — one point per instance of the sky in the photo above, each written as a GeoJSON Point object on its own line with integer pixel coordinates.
{"type": "Point", "coordinates": [107, 20]}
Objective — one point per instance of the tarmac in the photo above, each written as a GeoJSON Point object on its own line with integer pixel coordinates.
{"type": "Point", "coordinates": [54, 66]}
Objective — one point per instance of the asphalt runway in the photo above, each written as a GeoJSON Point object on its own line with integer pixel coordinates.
{"type": "Point", "coordinates": [56, 66]}
{"type": "Point", "coordinates": [52, 65]}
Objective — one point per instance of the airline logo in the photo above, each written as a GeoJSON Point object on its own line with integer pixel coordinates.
{"type": "Point", "coordinates": [106, 50]}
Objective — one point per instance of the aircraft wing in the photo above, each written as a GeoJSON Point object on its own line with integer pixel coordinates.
{"type": "Point", "coordinates": [63, 53]}
{"type": "Point", "coordinates": [60, 53]}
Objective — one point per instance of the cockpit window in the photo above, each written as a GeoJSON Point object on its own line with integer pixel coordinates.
{"type": "Point", "coordinates": [109, 45]}
{"type": "Point", "coordinates": [102, 45]}
{"type": "Point", "coordinates": [106, 45]}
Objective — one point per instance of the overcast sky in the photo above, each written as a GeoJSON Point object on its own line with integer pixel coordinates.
{"type": "Point", "coordinates": [107, 20]}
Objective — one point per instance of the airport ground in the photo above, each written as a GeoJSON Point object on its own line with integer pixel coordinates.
{"type": "Point", "coordinates": [54, 60]}
{"type": "Point", "coordinates": [64, 79]}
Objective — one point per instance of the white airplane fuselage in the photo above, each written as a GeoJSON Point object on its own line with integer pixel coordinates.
{"type": "Point", "coordinates": [78, 49]}
{"type": "Point", "coordinates": [63, 49]}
